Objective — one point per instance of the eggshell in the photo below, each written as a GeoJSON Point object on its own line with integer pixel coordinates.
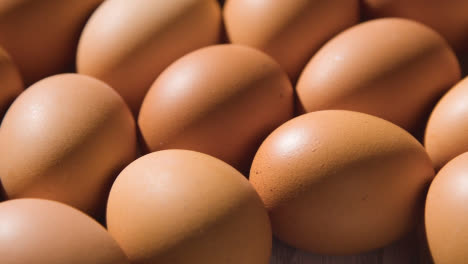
{"type": "Point", "coordinates": [221, 100]}
{"type": "Point", "coordinates": [42, 35]}
{"type": "Point", "coordinates": [446, 213]}
{"type": "Point", "coordinates": [290, 31]}
{"type": "Point", "coordinates": [446, 135]}
{"type": "Point", "coordinates": [392, 68]}
{"type": "Point", "coordinates": [66, 138]}
{"type": "Point", "coordinates": [341, 182]}
{"type": "Point", "coordinates": [46, 232]}
{"type": "Point", "coordinates": [11, 84]}
{"type": "Point", "coordinates": [129, 43]}
{"type": "Point", "coordinates": [180, 206]}
{"type": "Point", "coordinates": [448, 17]}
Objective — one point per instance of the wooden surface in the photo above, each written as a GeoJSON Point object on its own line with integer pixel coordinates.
{"type": "Point", "coordinates": [410, 250]}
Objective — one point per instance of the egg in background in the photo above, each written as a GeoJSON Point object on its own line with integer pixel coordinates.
{"type": "Point", "coordinates": [128, 44]}
{"type": "Point", "coordinates": [11, 84]}
{"type": "Point", "coordinates": [42, 35]}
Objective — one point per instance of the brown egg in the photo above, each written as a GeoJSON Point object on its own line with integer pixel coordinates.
{"type": "Point", "coordinates": [66, 138]}
{"type": "Point", "coordinates": [42, 35]}
{"type": "Point", "coordinates": [290, 31]}
{"type": "Point", "coordinates": [392, 68]}
{"type": "Point", "coordinates": [448, 17]}
{"type": "Point", "coordinates": [11, 84]}
{"type": "Point", "coordinates": [446, 214]}
{"type": "Point", "coordinates": [180, 206]}
{"type": "Point", "coordinates": [446, 135]}
{"type": "Point", "coordinates": [46, 232]}
{"type": "Point", "coordinates": [221, 100]}
{"type": "Point", "coordinates": [129, 43]}
{"type": "Point", "coordinates": [341, 182]}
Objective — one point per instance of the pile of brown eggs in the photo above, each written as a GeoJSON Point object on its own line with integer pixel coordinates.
{"type": "Point", "coordinates": [194, 130]}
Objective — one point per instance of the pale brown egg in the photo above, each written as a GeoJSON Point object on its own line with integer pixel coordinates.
{"type": "Point", "coordinates": [290, 31]}
{"type": "Point", "coordinates": [66, 138]}
{"type": "Point", "coordinates": [446, 213]}
{"type": "Point", "coordinates": [42, 35]}
{"type": "Point", "coordinates": [180, 206]}
{"type": "Point", "coordinates": [129, 43]}
{"type": "Point", "coordinates": [11, 84]}
{"type": "Point", "coordinates": [446, 135]}
{"type": "Point", "coordinates": [448, 17]}
{"type": "Point", "coordinates": [392, 68]}
{"type": "Point", "coordinates": [341, 182]}
{"type": "Point", "coordinates": [221, 100]}
{"type": "Point", "coordinates": [47, 232]}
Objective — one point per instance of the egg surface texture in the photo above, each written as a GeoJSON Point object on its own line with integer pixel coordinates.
{"type": "Point", "coordinates": [446, 135]}
{"type": "Point", "coordinates": [290, 31]}
{"type": "Point", "coordinates": [180, 206]}
{"type": "Point", "coordinates": [11, 84]}
{"type": "Point", "coordinates": [392, 68]}
{"type": "Point", "coordinates": [46, 232]}
{"type": "Point", "coordinates": [128, 44]}
{"type": "Point", "coordinates": [42, 35]}
{"type": "Point", "coordinates": [448, 17]}
{"type": "Point", "coordinates": [341, 182]}
{"type": "Point", "coordinates": [221, 100]}
{"type": "Point", "coordinates": [446, 213]}
{"type": "Point", "coordinates": [66, 138]}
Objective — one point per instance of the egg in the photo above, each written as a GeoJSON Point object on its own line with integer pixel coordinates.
{"type": "Point", "coordinates": [66, 138]}
{"type": "Point", "coordinates": [290, 31]}
{"type": "Point", "coordinates": [41, 231]}
{"type": "Point", "coordinates": [446, 136]}
{"type": "Point", "coordinates": [341, 182]}
{"type": "Point", "coordinates": [11, 85]}
{"type": "Point", "coordinates": [447, 17]}
{"type": "Point", "coordinates": [221, 100]}
{"type": "Point", "coordinates": [180, 206]}
{"type": "Point", "coordinates": [392, 68]}
{"type": "Point", "coordinates": [42, 35]}
{"type": "Point", "coordinates": [446, 213]}
{"type": "Point", "coordinates": [129, 43]}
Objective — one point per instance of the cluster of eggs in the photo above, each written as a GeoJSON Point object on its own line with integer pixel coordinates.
{"type": "Point", "coordinates": [306, 123]}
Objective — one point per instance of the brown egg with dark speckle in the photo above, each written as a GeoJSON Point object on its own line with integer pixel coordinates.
{"type": "Point", "coordinates": [180, 206]}
{"type": "Point", "coordinates": [221, 100]}
{"type": "Point", "coordinates": [341, 182]}
{"type": "Point", "coordinates": [47, 232]}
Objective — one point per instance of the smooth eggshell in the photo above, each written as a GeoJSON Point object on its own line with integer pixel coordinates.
{"type": "Point", "coordinates": [341, 182]}
{"type": "Point", "coordinates": [42, 35]}
{"type": "Point", "coordinates": [446, 214]}
{"type": "Point", "coordinates": [66, 138]}
{"type": "Point", "coordinates": [448, 17]}
{"type": "Point", "coordinates": [180, 206]}
{"type": "Point", "coordinates": [446, 135]}
{"type": "Point", "coordinates": [11, 84]}
{"type": "Point", "coordinates": [129, 43]}
{"type": "Point", "coordinates": [392, 68]}
{"type": "Point", "coordinates": [221, 100]}
{"type": "Point", "coordinates": [290, 31]}
{"type": "Point", "coordinates": [46, 232]}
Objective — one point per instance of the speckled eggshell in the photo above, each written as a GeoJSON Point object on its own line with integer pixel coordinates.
{"type": "Point", "coordinates": [129, 43]}
{"type": "Point", "coordinates": [446, 213]}
{"type": "Point", "coordinates": [446, 135]}
{"type": "Point", "coordinates": [42, 35]}
{"type": "Point", "coordinates": [340, 182]}
{"type": "Point", "coordinates": [392, 68]}
{"type": "Point", "coordinates": [47, 232]}
{"type": "Point", "coordinates": [221, 100]}
{"type": "Point", "coordinates": [66, 138]}
{"type": "Point", "coordinates": [448, 17]}
{"type": "Point", "coordinates": [290, 31]}
{"type": "Point", "coordinates": [180, 206]}
{"type": "Point", "coordinates": [11, 84]}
